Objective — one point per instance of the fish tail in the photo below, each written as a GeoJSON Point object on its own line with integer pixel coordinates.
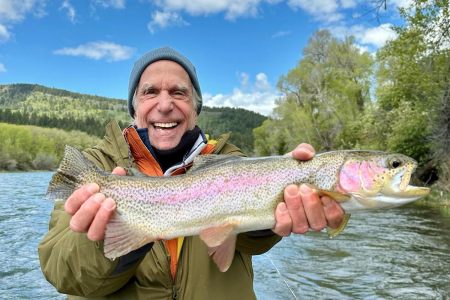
{"type": "Point", "coordinates": [69, 176]}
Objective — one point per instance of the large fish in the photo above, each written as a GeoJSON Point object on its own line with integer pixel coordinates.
{"type": "Point", "coordinates": [224, 195]}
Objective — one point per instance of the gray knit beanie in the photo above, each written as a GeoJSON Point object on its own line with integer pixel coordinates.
{"type": "Point", "coordinates": [165, 53]}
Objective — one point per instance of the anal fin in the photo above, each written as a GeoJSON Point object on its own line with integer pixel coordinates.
{"type": "Point", "coordinates": [333, 232]}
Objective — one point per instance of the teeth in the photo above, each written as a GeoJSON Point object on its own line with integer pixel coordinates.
{"type": "Point", "coordinates": [165, 125]}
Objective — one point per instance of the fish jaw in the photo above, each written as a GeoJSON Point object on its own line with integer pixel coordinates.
{"type": "Point", "coordinates": [398, 188]}
{"type": "Point", "coordinates": [360, 202]}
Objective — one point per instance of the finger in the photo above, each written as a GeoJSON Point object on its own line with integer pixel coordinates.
{"type": "Point", "coordinates": [82, 219]}
{"type": "Point", "coordinates": [97, 229]}
{"type": "Point", "coordinates": [119, 171]}
{"type": "Point", "coordinates": [79, 196]}
{"type": "Point", "coordinates": [303, 152]}
{"type": "Point", "coordinates": [334, 214]}
{"type": "Point", "coordinates": [295, 207]}
{"type": "Point", "coordinates": [283, 222]}
{"type": "Point", "coordinates": [313, 208]}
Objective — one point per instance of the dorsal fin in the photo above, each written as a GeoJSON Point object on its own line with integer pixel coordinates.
{"type": "Point", "coordinates": [210, 160]}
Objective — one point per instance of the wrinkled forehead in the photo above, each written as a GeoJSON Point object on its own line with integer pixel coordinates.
{"type": "Point", "coordinates": [165, 71]}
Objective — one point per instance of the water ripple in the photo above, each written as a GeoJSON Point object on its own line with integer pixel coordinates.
{"type": "Point", "coordinates": [396, 254]}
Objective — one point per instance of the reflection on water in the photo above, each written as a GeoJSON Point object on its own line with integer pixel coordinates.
{"type": "Point", "coordinates": [24, 215]}
{"type": "Point", "coordinates": [401, 253]}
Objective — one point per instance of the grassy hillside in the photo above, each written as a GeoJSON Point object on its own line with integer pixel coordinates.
{"type": "Point", "coordinates": [25, 147]}
{"type": "Point", "coordinates": [30, 104]}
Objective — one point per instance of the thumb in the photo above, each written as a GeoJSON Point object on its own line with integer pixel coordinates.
{"type": "Point", "coordinates": [119, 171]}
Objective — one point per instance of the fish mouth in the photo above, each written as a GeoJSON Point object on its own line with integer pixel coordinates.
{"type": "Point", "coordinates": [406, 190]}
{"type": "Point", "coordinates": [416, 191]}
{"type": "Point", "coordinates": [400, 187]}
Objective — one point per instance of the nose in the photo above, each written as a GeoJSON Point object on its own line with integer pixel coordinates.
{"type": "Point", "coordinates": [165, 102]}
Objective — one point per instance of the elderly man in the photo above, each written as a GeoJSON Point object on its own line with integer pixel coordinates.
{"type": "Point", "coordinates": [164, 101]}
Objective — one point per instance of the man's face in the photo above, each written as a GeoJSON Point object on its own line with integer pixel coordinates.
{"type": "Point", "coordinates": [165, 103]}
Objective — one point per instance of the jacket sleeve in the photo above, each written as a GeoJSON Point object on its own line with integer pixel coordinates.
{"type": "Point", "coordinates": [256, 242]}
{"type": "Point", "coordinates": [74, 264]}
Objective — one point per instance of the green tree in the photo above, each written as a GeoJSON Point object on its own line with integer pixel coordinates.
{"type": "Point", "coordinates": [413, 86]}
{"type": "Point", "coordinates": [323, 94]}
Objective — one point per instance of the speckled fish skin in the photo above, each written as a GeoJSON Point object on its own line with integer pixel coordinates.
{"type": "Point", "coordinates": [243, 192]}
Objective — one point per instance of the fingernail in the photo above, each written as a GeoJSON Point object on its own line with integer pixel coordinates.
{"type": "Point", "coordinates": [99, 198]}
{"type": "Point", "coordinates": [292, 190]}
{"type": "Point", "coordinates": [305, 189]}
{"type": "Point", "coordinates": [282, 207]}
{"type": "Point", "coordinates": [93, 188]}
{"type": "Point", "coordinates": [309, 152]}
{"type": "Point", "coordinates": [109, 204]}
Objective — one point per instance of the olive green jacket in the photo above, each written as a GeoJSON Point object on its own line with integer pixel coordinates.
{"type": "Point", "coordinates": [76, 266]}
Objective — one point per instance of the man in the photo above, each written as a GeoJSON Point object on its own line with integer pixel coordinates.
{"type": "Point", "coordinates": [164, 101]}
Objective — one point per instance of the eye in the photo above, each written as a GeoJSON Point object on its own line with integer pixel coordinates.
{"type": "Point", "coordinates": [395, 163]}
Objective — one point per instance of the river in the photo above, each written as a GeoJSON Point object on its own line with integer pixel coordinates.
{"type": "Point", "coordinates": [402, 253]}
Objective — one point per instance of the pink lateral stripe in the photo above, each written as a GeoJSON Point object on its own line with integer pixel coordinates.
{"type": "Point", "coordinates": [219, 185]}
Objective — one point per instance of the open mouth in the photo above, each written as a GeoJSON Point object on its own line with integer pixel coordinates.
{"type": "Point", "coordinates": [402, 187]}
{"type": "Point", "coordinates": [408, 190]}
{"type": "Point", "coordinates": [165, 126]}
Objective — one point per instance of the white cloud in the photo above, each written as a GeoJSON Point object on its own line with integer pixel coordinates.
{"type": "Point", "coordinates": [326, 11]}
{"type": "Point", "coordinates": [348, 3]}
{"type": "Point", "coordinates": [71, 13]}
{"type": "Point", "coordinates": [163, 19]}
{"type": "Point", "coordinates": [12, 11]}
{"type": "Point", "coordinates": [378, 36]}
{"type": "Point", "coordinates": [232, 8]}
{"type": "Point", "coordinates": [323, 10]}
{"type": "Point", "coordinates": [2, 68]}
{"type": "Point", "coordinates": [315, 7]}
{"type": "Point", "coordinates": [402, 3]}
{"type": "Point", "coordinates": [259, 97]}
{"type": "Point", "coordinates": [281, 33]}
{"type": "Point", "coordinates": [118, 4]}
{"type": "Point", "coordinates": [4, 33]}
{"type": "Point", "coordinates": [99, 50]}
{"type": "Point", "coordinates": [372, 36]}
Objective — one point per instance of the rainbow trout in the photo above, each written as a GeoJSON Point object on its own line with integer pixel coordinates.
{"type": "Point", "coordinates": [221, 196]}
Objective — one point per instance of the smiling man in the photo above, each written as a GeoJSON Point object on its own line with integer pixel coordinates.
{"type": "Point", "coordinates": [164, 101]}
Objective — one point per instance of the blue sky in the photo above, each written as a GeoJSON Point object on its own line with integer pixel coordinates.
{"type": "Point", "coordinates": [239, 47]}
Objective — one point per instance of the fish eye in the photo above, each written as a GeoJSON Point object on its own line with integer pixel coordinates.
{"type": "Point", "coordinates": [395, 163]}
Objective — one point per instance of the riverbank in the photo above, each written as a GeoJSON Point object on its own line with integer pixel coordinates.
{"type": "Point", "coordinates": [439, 199]}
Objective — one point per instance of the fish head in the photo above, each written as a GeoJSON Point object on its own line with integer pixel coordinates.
{"type": "Point", "coordinates": [378, 179]}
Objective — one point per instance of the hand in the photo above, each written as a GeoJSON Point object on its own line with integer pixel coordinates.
{"type": "Point", "coordinates": [302, 208]}
{"type": "Point", "coordinates": [90, 209]}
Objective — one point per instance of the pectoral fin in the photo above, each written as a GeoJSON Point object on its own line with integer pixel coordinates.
{"type": "Point", "coordinates": [223, 255]}
{"type": "Point", "coordinates": [216, 236]}
{"type": "Point", "coordinates": [339, 197]}
{"type": "Point", "coordinates": [121, 239]}
{"type": "Point", "coordinates": [333, 232]}
{"type": "Point", "coordinates": [221, 242]}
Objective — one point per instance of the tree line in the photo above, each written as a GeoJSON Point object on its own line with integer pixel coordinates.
{"type": "Point", "coordinates": [90, 125]}
{"type": "Point", "coordinates": [398, 100]}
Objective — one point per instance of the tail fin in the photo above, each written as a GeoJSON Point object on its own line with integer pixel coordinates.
{"type": "Point", "coordinates": [70, 175]}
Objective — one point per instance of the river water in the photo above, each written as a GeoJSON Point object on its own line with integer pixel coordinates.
{"type": "Point", "coordinates": [402, 253]}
